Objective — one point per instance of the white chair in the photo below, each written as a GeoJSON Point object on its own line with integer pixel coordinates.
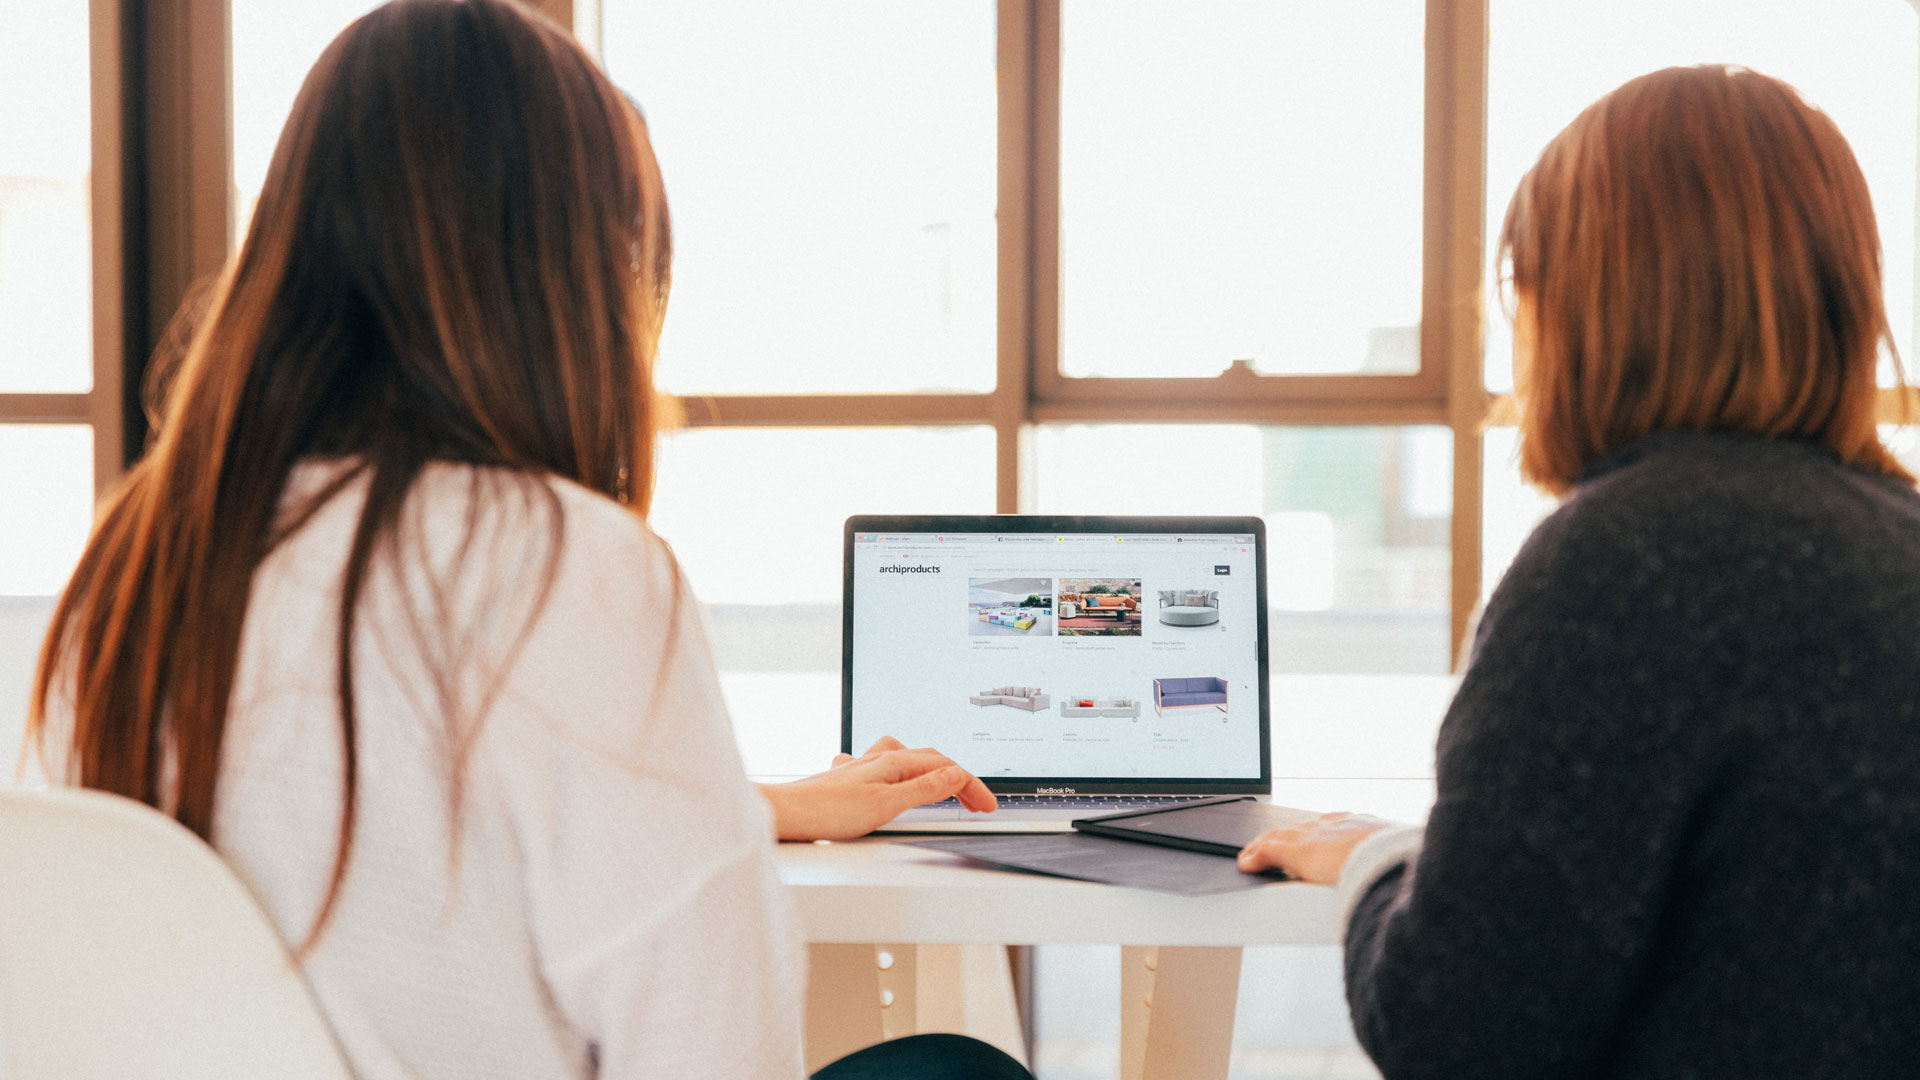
{"type": "Point", "coordinates": [129, 950]}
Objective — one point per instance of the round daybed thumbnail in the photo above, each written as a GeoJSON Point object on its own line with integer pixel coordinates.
{"type": "Point", "coordinates": [1189, 607]}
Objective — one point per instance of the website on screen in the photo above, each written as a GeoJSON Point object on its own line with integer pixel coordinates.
{"type": "Point", "coordinates": [1048, 655]}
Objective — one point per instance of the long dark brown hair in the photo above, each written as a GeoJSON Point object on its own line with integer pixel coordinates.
{"type": "Point", "coordinates": [460, 255]}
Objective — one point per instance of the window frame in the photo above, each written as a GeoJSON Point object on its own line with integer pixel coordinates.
{"type": "Point", "coordinates": [161, 216]}
{"type": "Point", "coordinates": [161, 142]}
{"type": "Point", "coordinates": [1030, 387]}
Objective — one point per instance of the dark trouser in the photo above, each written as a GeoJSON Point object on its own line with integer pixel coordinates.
{"type": "Point", "coordinates": [926, 1057]}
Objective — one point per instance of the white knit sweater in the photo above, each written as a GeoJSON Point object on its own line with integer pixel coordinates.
{"type": "Point", "coordinates": [604, 901]}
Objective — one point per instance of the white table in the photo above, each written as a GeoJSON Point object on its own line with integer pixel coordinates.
{"type": "Point", "coordinates": [908, 940]}
{"type": "Point", "coordinates": [850, 891]}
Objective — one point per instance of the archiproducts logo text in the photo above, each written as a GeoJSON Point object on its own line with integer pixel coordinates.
{"type": "Point", "coordinates": [909, 569]}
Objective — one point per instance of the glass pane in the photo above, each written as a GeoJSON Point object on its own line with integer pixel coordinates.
{"type": "Point", "coordinates": [1510, 507]}
{"type": "Point", "coordinates": [46, 486]}
{"type": "Point", "coordinates": [1904, 441]}
{"type": "Point", "coordinates": [274, 44]}
{"type": "Point", "coordinates": [1855, 59]}
{"type": "Point", "coordinates": [23, 628]}
{"type": "Point", "coordinates": [46, 282]}
{"type": "Point", "coordinates": [755, 517]}
{"type": "Point", "coordinates": [1240, 179]}
{"type": "Point", "coordinates": [830, 168]}
{"type": "Point", "coordinates": [1357, 524]}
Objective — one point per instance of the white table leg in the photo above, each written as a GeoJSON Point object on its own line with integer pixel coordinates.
{"type": "Point", "coordinates": [1176, 1011]}
{"type": "Point", "coordinates": [919, 988]}
{"type": "Point", "coordinates": [992, 1014]}
{"type": "Point", "coordinates": [858, 995]}
{"type": "Point", "coordinates": [843, 1002]}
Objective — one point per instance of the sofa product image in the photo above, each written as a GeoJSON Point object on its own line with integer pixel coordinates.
{"type": "Point", "coordinates": [1092, 706]}
{"type": "Point", "coordinates": [1029, 698]}
{"type": "Point", "coordinates": [1189, 693]}
{"type": "Point", "coordinates": [1189, 607]}
{"type": "Point", "coordinates": [1103, 604]}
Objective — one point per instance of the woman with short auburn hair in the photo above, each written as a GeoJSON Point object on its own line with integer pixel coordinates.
{"type": "Point", "coordinates": [379, 615]}
{"type": "Point", "coordinates": [1695, 252]}
{"type": "Point", "coordinates": [1677, 830]}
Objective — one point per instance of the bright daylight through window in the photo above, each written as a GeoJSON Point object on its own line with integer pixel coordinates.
{"type": "Point", "coordinates": [830, 169]}
{"type": "Point", "coordinates": [1242, 189]}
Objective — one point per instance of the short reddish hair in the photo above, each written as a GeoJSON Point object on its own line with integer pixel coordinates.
{"type": "Point", "coordinates": [1696, 251]}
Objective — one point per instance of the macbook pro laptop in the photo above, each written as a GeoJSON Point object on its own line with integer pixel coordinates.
{"type": "Point", "coordinates": [1078, 665]}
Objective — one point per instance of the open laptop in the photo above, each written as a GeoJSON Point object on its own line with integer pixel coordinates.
{"type": "Point", "coordinates": [1078, 665]}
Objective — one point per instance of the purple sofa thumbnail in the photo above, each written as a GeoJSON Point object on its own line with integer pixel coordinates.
{"type": "Point", "coordinates": [1188, 693]}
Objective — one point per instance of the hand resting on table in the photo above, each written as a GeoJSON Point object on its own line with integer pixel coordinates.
{"type": "Point", "coordinates": [1312, 851]}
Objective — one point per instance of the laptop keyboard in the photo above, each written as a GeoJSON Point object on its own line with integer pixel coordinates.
{"type": "Point", "coordinates": [1110, 803]}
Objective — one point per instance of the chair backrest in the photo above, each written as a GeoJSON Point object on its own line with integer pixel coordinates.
{"type": "Point", "coordinates": [128, 949]}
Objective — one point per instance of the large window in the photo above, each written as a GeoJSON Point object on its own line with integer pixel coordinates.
{"type": "Point", "coordinates": [47, 464]}
{"type": "Point", "coordinates": [1022, 255]}
{"type": "Point", "coordinates": [1240, 180]}
{"type": "Point", "coordinates": [1855, 59]}
{"type": "Point", "coordinates": [830, 171]}
{"type": "Point", "coordinates": [1132, 256]}
{"type": "Point", "coordinates": [46, 296]}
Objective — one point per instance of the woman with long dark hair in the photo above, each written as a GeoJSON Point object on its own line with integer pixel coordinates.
{"type": "Point", "coordinates": [1678, 825]}
{"type": "Point", "coordinates": [378, 614]}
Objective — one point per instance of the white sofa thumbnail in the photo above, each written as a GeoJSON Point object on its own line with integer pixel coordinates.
{"type": "Point", "coordinates": [1103, 706]}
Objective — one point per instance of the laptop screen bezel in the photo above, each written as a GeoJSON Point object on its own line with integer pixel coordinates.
{"type": "Point", "coordinates": [1116, 525]}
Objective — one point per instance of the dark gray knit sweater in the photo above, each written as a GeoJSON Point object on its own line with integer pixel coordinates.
{"type": "Point", "coordinates": [1678, 827]}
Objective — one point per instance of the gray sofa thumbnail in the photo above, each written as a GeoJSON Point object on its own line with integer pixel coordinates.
{"type": "Point", "coordinates": [1029, 698]}
{"type": "Point", "coordinates": [1202, 692]}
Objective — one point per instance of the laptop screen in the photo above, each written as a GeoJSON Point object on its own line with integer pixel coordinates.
{"type": "Point", "coordinates": [1112, 653]}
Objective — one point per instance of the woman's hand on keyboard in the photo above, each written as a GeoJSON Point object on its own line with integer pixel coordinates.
{"type": "Point", "coordinates": [860, 794]}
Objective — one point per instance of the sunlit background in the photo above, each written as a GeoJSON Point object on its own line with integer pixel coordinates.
{"type": "Point", "coordinates": [1239, 181]}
